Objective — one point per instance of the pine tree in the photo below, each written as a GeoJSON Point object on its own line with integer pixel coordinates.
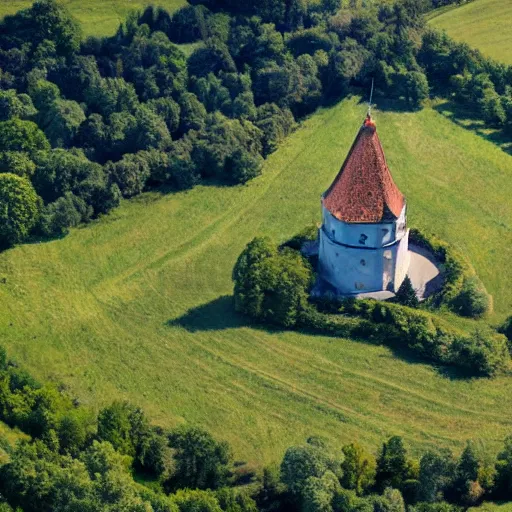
{"type": "Point", "coordinates": [406, 294]}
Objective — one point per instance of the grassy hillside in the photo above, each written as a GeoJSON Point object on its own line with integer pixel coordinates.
{"type": "Point", "coordinates": [136, 305]}
{"type": "Point", "coordinates": [97, 17]}
{"type": "Point", "coordinates": [484, 24]}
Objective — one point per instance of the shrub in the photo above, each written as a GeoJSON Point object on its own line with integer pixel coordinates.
{"type": "Point", "coordinates": [484, 353]}
{"type": "Point", "coordinates": [473, 300]}
{"type": "Point", "coordinates": [406, 294]}
{"type": "Point", "coordinates": [506, 328]}
{"type": "Point", "coordinates": [271, 285]}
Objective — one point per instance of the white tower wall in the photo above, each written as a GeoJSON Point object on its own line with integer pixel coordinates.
{"type": "Point", "coordinates": [360, 258]}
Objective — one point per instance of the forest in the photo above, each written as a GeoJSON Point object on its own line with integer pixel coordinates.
{"type": "Point", "coordinates": [85, 123]}
{"type": "Point", "coordinates": [117, 461]}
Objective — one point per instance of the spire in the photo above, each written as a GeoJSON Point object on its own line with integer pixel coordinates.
{"type": "Point", "coordinates": [364, 190]}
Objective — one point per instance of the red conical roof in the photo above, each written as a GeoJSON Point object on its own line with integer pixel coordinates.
{"type": "Point", "coordinates": [364, 190]}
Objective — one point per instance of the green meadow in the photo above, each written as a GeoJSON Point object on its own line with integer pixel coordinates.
{"type": "Point", "coordinates": [137, 305]}
{"type": "Point", "coordinates": [97, 17]}
{"type": "Point", "coordinates": [484, 24]}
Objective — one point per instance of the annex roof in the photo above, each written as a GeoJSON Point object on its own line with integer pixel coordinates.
{"type": "Point", "coordinates": [364, 190]}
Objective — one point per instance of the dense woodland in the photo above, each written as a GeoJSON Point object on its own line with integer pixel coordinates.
{"type": "Point", "coordinates": [77, 461]}
{"type": "Point", "coordinates": [85, 123]}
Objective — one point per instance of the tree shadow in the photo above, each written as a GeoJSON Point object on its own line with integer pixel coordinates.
{"type": "Point", "coordinates": [465, 117]}
{"type": "Point", "coordinates": [217, 315]}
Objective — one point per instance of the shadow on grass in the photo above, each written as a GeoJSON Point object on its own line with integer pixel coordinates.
{"type": "Point", "coordinates": [219, 315]}
{"type": "Point", "coordinates": [465, 118]}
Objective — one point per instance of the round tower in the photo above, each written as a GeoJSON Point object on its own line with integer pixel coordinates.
{"type": "Point", "coordinates": [363, 243]}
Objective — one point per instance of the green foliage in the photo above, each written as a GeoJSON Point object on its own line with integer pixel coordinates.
{"type": "Point", "coordinates": [66, 212]}
{"type": "Point", "coordinates": [19, 209]}
{"type": "Point", "coordinates": [196, 501]}
{"type": "Point", "coordinates": [406, 294]}
{"type": "Point", "coordinates": [484, 352]}
{"type": "Point", "coordinates": [271, 285]}
{"type": "Point", "coordinates": [201, 462]}
{"type": "Point", "coordinates": [17, 162]}
{"type": "Point", "coordinates": [435, 473]}
{"type": "Point", "coordinates": [301, 463]}
{"type": "Point", "coordinates": [359, 469]}
{"type": "Point", "coordinates": [18, 135]}
{"type": "Point", "coordinates": [62, 121]}
{"type": "Point", "coordinates": [473, 299]}
{"type": "Point", "coordinates": [506, 329]}
{"type": "Point", "coordinates": [130, 173]}
{"type": "Point", "coordinates": [13, 104]}
{"type": "Point", "coordinates": [392, 467]}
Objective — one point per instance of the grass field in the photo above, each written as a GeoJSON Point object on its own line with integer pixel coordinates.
{"type": "Point", "coordinates": [484, 24]}
{"type": "Point", "coordinates": [97, 17]}
{"type": "Point", "coordinates": [137, 305]}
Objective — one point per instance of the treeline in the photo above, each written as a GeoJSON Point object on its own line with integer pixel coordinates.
{"type": "Point", "coordinates": [272, 285]}
{"type": "Point", "coordinates": [85, 123]}
{"type": "Point", "coordinates": [78, 461]}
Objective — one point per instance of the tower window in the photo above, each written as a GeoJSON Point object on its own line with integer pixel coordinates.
{"type": "Point", "coordinates": [363, 238]}
{"type": "Point", "coordinates": [333, 233]}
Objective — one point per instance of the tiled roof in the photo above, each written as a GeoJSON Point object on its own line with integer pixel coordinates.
{"type": "Point", "coordinates": [364, 190]}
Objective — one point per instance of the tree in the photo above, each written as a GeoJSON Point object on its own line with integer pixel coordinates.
{"type": "Point", "coordinates": [124, 426]}
{"type": "Point", "coordinates": [464, 487]}
{"type": "Point", "coordinates": [62, 121]}
{"type": "Point", "coordinates": [17, 162]}
{"type": "Point", "coordinates": [19, 209]}
{"type": "Point", "coordinates": [13, 104]}
{"type": "Point", "coordinates": [318, 493]}
{"type": "Point", "coordinates": [503, 486]}
{"type": "Point", "coordinates": [392, 467]}
{"type": "Point", "coordinates": [436, 470]}
{"type": "Point", "coordinates": [417, 88]}
{"type": "Point", "coordinates": [358, 468]}
{"type": "Point", "coordinates": [243, 166]}
{"type": "Point", "coordinates": [66, 212]}
{"type": "Point", "coordinates": [196, 501]}
{"type": "Point", "coordinates": [18, 135]}
{"type": "Point", "coordinates": [201, 461]}
{"type": "Point", "coordinates": [193, 113]}
{"type": "Point", "coordinates": [270, 285]}
{"type": "Point", "coordinates": [406, 294]}
{"type": "Point", "coordinates": [303, 462]}
{"type": "Point", "coordinates": [130, 173]}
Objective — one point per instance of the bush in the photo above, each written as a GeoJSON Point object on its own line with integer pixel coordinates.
{"type": "Point", "coordinates": [506, 328]}
{"type": "Point", "coordinates": [271, 285]}
{"type": "Point", "coordinates": [473, 300]}
{"type": "Point", "coordinates": [483, 353]}
{"type": "Point", "coordinates": [462, 291]}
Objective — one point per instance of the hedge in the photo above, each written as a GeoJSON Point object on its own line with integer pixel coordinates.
{"type": "Point", "coordinates": [462, 290]}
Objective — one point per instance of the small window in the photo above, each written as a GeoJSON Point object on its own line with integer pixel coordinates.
{"type": "Point", "coordinates": [363, 263]}
{"type": "Point", "coordinates": [362, 239]}
{"type": "Point", "coordinates": [333, 233]}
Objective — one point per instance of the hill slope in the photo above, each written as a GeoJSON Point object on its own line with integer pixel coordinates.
{"type": "Point", "coordinates": [97, 17]}
{"type": "Point", "coordinates": [484, 24]}
{"type": "Point", "coordinates": [134, 306]}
